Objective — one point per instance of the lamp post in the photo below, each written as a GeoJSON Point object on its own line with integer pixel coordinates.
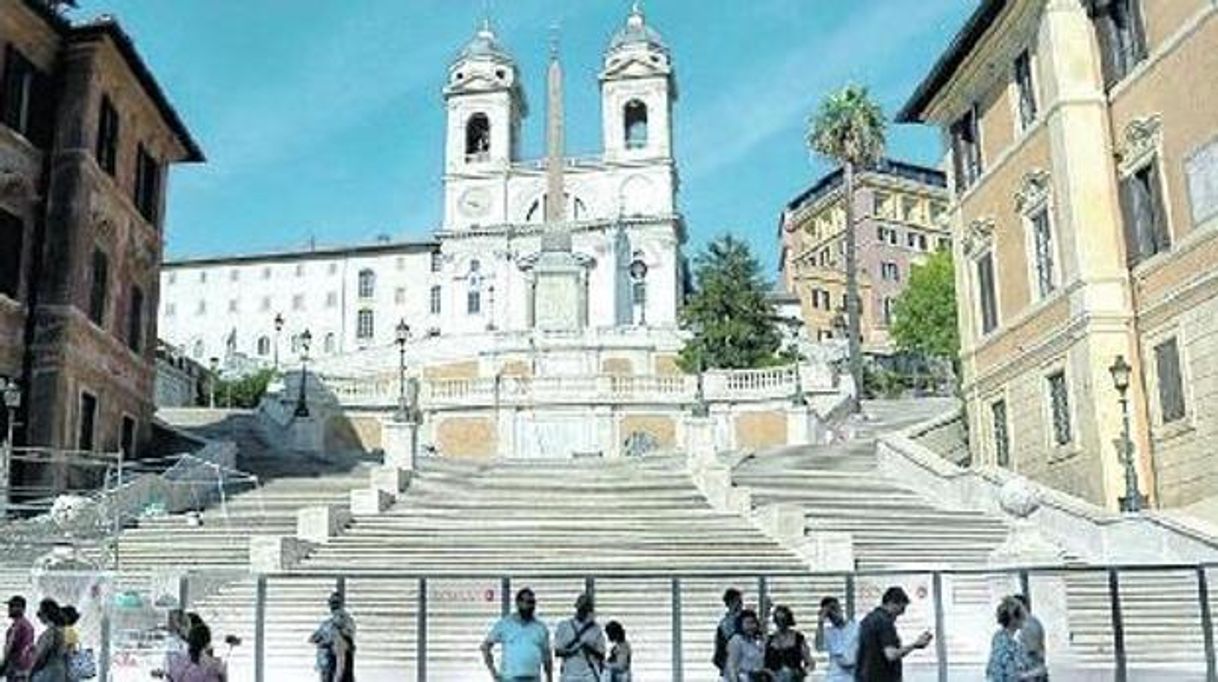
{"type": "Point", "coordinates": [278, 329]}
{"type": "Point", "coordinates": [213, 364]}
{"type": "Point", "coordinates": [302, 406]}
{"type": "Point", "coordinates": [403, 335]}
{"type": "Point", "coordinates": [638, 279]}
{"type": "Point", "coordinates": [10, 392]}
{"type": "Point", "coordinates": [1121, 371]}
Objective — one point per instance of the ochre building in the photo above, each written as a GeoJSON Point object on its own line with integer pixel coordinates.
{"type": "Point", "coordinates": [1083, 139]}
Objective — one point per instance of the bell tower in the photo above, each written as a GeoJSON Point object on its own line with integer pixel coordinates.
{"type": "Point", "coordinates": [637, 93]}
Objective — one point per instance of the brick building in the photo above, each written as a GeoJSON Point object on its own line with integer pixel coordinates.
{"type": "Point", "coordinates": [1084, 146]}
{"type": "Point", "coordinates": [86, 136]}
{"type": "Point", "coordinates": [898, 207]}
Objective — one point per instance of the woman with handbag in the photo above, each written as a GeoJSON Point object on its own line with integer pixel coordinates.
{"type": "Point", "coordinates": [50, 651]}
{"type": "Point", "coordinates": [787, 655]}
{"type": "Point", "coordinates": [746, 651]}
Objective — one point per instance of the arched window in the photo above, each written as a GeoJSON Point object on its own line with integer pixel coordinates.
{"type": "Point", "coordinates": [363, 325]}
{"type": "Point", "coordinates": [635, 121]}
{"type": "Point", "coordinates": [264, 346]}
{"type": "Point", "coordinates": [367, 283]}
{"type": "Point", "coordinates": [478, 138]}
{"type": "Point", "coordinates": [329, 344]}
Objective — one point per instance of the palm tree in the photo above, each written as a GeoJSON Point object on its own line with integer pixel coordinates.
{"type": "Point", "coordinates": [848, 128]}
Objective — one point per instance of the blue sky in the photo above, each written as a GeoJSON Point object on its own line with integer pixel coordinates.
{"type": "Point", "coordinates": [322, 119]}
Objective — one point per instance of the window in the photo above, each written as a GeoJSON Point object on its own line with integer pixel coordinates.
{"type": "Point", "coordinates": [329, 343]}
{"type": "Point", "coordinates": [945, 244]}
{"type": "Point", "coordinates": [399, 296]}
{"type": "Point", "coordinates": [265, 304]}
{"type": "Point", "coordinates": [1171, 381]}
{"type": "Point", "coordinates": [916, 241]}
{"type": "Point", "coordinates": [400, 263]}
{"type": "Point", "coordinates": [887, 235]}
{"type": "Point", "coordinates": [1042, 242]}
{"type": "Point", "coordinates": [331, 299]}
{"type": "Point", "coordinates": [12, 237]}
{"type": "Point", "coordinates": [203, 277]}
{"type": "Point", "coordinates": [232, 305]}
{"type": "Point", "coordinates": [86, 421]}
{"type": "Point", "coordinates": [1059, 405]}
{"type": "Point", "coordinates": [1122, 40]}
{"type": "Point", "coordinates": [888, 305]}
{"type": "Point", "coordinates": [266, 272]}
{"type": "Point", "coordinates": [135, 320]}
{"type": "Point", "coordinates": [473, 302]}
{"type": "Point", "coordinates": [966, 149]}
{"type": "Point", "coordinates": [107, 136]}
{"type": "Point", "coordinates": [27, 99]}
{"type": "Point", "coordinates": [436, 261]}
{"type": "Point", "coordinates": [363, 325]}
{"type": "Point", "coordinates": [937, 209]}
{"type": "Point", "coordinates": [99, 283]}
{"type": "Point", "coordinates": [298, 302]}
{"type": "Point", "coordinates": [201, 309]}
{"type": "Point", "coordinates": [300, 270]}
{"type": "Point", "coordinates": [435, 300]}
{"type": "Point", "coordinates": [234, 275]}
{"type": "Point", "coordinates": [127, 437]}
{"type": "Point", "coordinates": [367, 283]}
{"type": "Point", "coordinates": [173, 278]}
{"type": "Point", "coordinates": [634, 117]}
{"type": "Point", "coordinates": [1027, 90]}
{"type": "Point", "coordinates": [147, 190]}
{"type": "Point", "coordinates": [264, 346]}
{"type": "Point", "coordinates": [890, 272]}
{"type": "Point", "coordinates": [170, 310]}
{"type": "Point", "coordinates": [909, 209]}
{"type": "Point", "coordinates": [296, 343]}
{"type": "Point", "coordinates": [882, 204]}
{"type": "Point", "coordinates": [478, 138]}
{"type": "Point", "coordinates": [1002, 438]}
{"type": "Point", "coordinates": [986, 295]}
{"type": "Point", "coordinates": [1146, 232]}
{"type": "Point", "coordinates": [332, 269]}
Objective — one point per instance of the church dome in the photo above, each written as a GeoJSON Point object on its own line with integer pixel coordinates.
{"type": "Point", "coordinates": [485, 45]}
{"type": "Point", "coordinates": [636, 32]}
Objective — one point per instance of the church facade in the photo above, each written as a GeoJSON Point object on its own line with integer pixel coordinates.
{"type": "Point", "coordinates": [476, 275]}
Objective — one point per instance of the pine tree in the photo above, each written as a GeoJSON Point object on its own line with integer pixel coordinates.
{"type": "Point", "coordinates": [734, 323]}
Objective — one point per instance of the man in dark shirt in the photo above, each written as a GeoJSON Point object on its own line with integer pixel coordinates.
{"type": "Point", "coordinates": [880, 650]}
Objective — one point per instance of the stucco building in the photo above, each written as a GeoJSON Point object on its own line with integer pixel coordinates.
{"type": "Point", "coordinates": [86, 137]}
{"type": "Point", "coordinates": [1083, 138]}
{"type": "Point", "coordinates": [899, 210]}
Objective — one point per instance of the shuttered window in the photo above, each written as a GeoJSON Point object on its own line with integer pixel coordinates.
{"type": "Point", "coordinates": [1146, 232]}
{"type": "Point", "coordinates": [1027, 90]}
{"type": "Point", "coordinates": [986, 294]}
{"type": "Point", "coordinates": [1042, 237]}
{"type": "Point", "coordinates": [966, 149]}
{"type": "Point", "coordinates": [1171, 381]}
{"type": "Point", "coordinates": [1121, 37]}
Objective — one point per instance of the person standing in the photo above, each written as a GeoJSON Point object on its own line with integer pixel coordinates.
{"type": "Point", "coordinates": [787, 655]}
{"type": "Point", "coordinates": [617, 667]}
{"type": "Point", "coordinates": [840, 640]}
{"type": "Point", "coordinates": [525, 642]}
{"type": "Point", "coordinates": [880, 650]}
{"type": "Point", "coordinates": [335, 642]}
{"type": "Point", "coordinates": [580, 643]}
{"type": "Point", "coordinates": [1032, 637]}
{"type": "Point", "coordinates": [18, 643]}
{"type": "Point", "coordinates": [746, 651]}
{"type": "Point", "coordinates": [728, 627]}
{"type": "Point", "coordinates": [198, 665]}
{"type": "Point", "coordinates": [50, 660]}
{"type": "Point", "coordinates": [1008, 661]}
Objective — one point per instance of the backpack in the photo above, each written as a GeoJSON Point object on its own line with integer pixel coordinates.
{"type": "Point", "coordinates": [721, 639]}
{"type": "Point", "coordinates": [82, 665]}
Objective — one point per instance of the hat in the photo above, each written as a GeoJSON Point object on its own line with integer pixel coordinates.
{"type": "Point", "coordinates": [16, 600]}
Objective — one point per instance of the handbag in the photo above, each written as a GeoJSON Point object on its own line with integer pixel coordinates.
{"type": "Point", "coordinates": [82, 665]}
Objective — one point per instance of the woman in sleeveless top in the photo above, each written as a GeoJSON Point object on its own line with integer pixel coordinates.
{"type": "Point", "coordinates": [617, 666]}
{"type": "Point", "coordinates": [50, 651]}
{"type": "Point", "coordinates": [787, 656]}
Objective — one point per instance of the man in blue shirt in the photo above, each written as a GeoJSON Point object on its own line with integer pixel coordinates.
{"type": "Point", "coordinates": [840, 640]}
{"type": "Point", "coordinates": [525, 642]}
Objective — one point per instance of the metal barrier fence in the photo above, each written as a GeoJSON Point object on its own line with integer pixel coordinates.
{"type": "Point", "coordinates": [1122, 623]}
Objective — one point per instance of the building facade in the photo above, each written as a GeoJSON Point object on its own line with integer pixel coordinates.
{"type": "Point", "coordinates": [1083, 138]}
{"type": "Point", "coordinates": [476, 275]}
{"type": "Point", "coordinates": [86, 138]}
{"type": "Point", "coordinates": [899, 211]}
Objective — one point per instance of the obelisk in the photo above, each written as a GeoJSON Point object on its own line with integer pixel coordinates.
{"type": "Point", "coordinates": [559, 277]}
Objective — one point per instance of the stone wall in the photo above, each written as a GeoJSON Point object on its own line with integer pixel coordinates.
{"type": "Point", "coordinates": [759, 430]}
{"type": "Point", "coordinates": [473, 437]}
{"type": "Point", "coordinates": [660, 427]}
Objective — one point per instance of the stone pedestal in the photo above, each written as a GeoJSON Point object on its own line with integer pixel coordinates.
{"type": "Point", "coordinates": [400, 441]}
{"type": "Point", "coordinates": [559, 294]}
{"type": "Point", "coordinates": [803, 426]}
{"type": "Point", "coordinates": [390, 479]}
{"type": "Point", "coordinates": [276, 553]}
{"type": "Point", "coordinates": [369, 501]}
{"type": "Point", "coordinates": [306, 434]}
{"type": "Point", "coordinates": [319, 524]}
{"type": "Point", "coordinates": [699, 438]}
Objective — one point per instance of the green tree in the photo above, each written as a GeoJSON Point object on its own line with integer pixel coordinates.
{"type": "Point", "coordinates": [925, 313]}
{"type": "Point", "coordinates": [735, 325]}
{"type": "Point", "coordinates": [245, 391]}
{"type": "Point", "coordinates": [848, 128]}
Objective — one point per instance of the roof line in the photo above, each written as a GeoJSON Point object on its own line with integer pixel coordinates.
{"type": "Point", "coordinates": [886, 167]}
{"type": "Point", "coordinates": [303, 253]}
{"type": "Point", "coordinates": [947, 64]}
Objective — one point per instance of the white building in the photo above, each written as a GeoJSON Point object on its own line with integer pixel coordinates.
{"type": "Point", "coordinates": [475, 276]}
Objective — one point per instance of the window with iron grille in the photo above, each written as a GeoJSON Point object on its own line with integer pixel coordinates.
{"type": "Point", "coordinates": [1027, 90]}
{"type": "Point", "coordinates": [435, 300]}
{"type": "Point", "coordinates": [364, 325]}
{"type": "Point", "coordinates": [1042, 237]}
{"type": "Point", "coordinates": [473, 302]}
{"type": "Point", "coordinates": [367, 283]}
{"type": "Point", "coordinates": [1171, 381]}
{"type": "Point", "coordinates": [986, 294]}
{"type": "Point", "coordinates": [1002, 438]}
{"type": "Point", "coordinates": [1059, 404]}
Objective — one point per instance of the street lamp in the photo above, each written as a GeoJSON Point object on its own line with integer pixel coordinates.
{"type": "Point", "coordinates": [1121, 371]}
{"type": "Point", "coordinates": [403, 335]}
{"type": "Point", "coordinates": [278, 329]}
{"type": "Point", "coordinates": [302, 407]}
{"type": "Point", "coordinates": [638, 276]}
{"type": "Point", "coordinates": [213, 363]}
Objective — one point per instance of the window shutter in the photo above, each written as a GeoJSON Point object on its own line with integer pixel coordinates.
{"type": "Point", "coordinates": [1156, 216]}
{"type": "Point", "coordinates": [1133, 248]}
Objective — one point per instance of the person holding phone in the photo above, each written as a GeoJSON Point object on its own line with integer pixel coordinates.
{"type": "Point", "coordinates": [880, 650]}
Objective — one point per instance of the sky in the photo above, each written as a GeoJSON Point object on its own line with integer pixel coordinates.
{"type": "Point", "coordinates": [323, 120]}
